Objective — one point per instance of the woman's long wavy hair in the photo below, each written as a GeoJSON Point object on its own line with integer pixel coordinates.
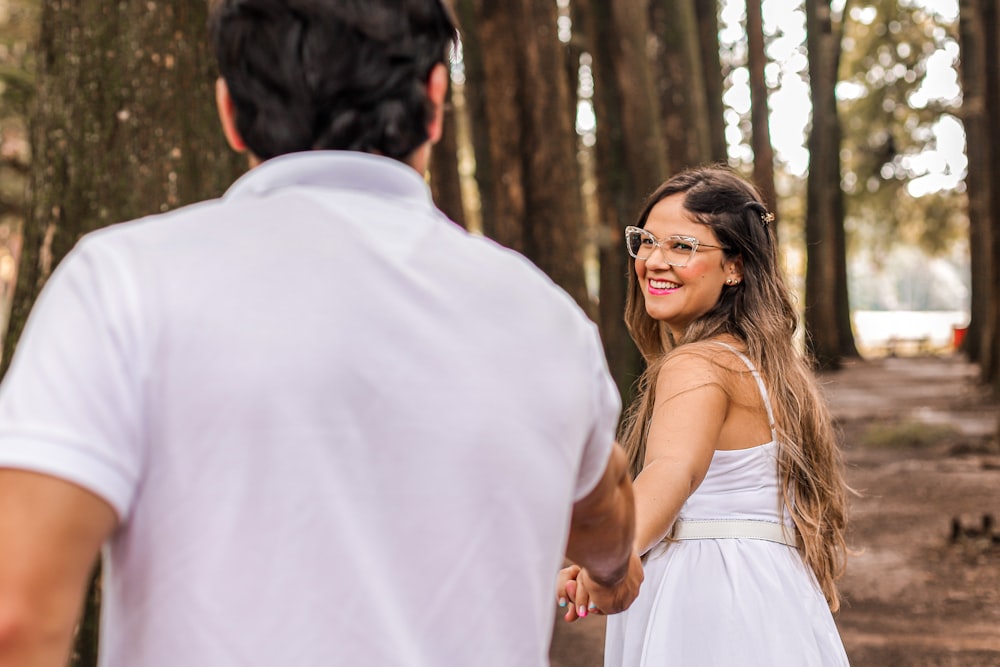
{"type": "Point", "coordinates": [758, 312]}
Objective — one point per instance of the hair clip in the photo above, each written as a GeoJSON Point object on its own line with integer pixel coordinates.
{"type": "Point", "coordinates": [767, 217]}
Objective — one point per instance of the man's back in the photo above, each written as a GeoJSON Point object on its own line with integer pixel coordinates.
{"type": "Point", "coordinates": [350, 413]}
{"type": "Point", "coordinates": [312, 423]}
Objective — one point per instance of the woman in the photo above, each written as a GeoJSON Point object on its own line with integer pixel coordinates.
{"type": "Point", "coordinates": [739, 489]}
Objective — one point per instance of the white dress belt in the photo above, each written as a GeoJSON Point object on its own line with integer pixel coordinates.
{"type": "Point", "coordinates": [722, 529]}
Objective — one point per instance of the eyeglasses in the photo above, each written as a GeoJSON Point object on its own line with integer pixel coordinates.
{"type": "Point", "coordinates": [676, 250]}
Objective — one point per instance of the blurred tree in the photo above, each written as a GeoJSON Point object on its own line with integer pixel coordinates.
{"type": "Point", "coordinates": [990, 333]}
{"type": "Point", "coordinates": [979, 180]}
{"type": "Point", "coordinates": [18, 31]}
{"type": "Point", "coordinates": [827, 315]}
{"type": "Point", "coordinates": [474, 96]}
{"type": "Point", "coordinates": [979, 27]}
{"type": "Point", "coordinates": [108, 143]}
{"type": "Point", "coordinates": [631, 159]}
{"type": "Point", "coordinates": [681, 74]}
{"type": "Point", "coordinates": [535, 200]}
{"type": "Point", "coordinates": [892, 126]}
{"type": "Point", "coordinates": [446, 185]}
{"type": "Point", "coordinates": [760, 138]}
{"type": "Point", "coordinates": [707, 15]}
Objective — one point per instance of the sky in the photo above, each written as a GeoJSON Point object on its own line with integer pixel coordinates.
{"type": "Point", "coordinates": [784, 23]}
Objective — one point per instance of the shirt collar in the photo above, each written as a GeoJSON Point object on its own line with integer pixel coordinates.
{"type": "Point", "coordinates": [350, 170]}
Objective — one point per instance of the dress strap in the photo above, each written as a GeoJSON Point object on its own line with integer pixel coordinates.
{"type": "Point", "coordinates": [760, 384]}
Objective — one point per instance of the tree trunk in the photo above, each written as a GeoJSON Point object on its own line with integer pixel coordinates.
{"type": "Point", "coordinates": [828, 318]}
{"type": "Point", "coordinates": [531, 148]}
{"type": "Point", "coordinates": [18, 31]}
{"type": "Point", "coordinates": [474, 94]}
{"type": "Point", "coordinates": [630, 156]}
{"type": "Point", "coordinates": [446, 184]}
{"type": "Point", "coordinates": [682, 84]}
{"type": "Point", "coordinates": [763, 152]}
{"type": "Point", "coordinates": [110, 141]}
{"type": "Point", "coordinates": [989, 338]}
{"type": "Point", "coordinates": [707, 12]}
{"type": "Point", "coordinates": [978, 180]}
{"type": "Point", "coordinates": [124, 124]}
{"type": "Point", "coordinates": [88, 633]}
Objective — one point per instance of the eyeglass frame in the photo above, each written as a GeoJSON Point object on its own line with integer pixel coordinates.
{"type": "Point", "coordinates": [658, 243]}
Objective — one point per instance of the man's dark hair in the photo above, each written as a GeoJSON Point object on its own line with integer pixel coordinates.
{"type": "Point", "coordinates": [331, 74]}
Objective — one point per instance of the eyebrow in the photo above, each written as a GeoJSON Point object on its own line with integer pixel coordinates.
{"type": "Point", "coordinates": [667, 236]}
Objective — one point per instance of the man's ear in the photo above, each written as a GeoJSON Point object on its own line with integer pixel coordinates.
{"type": "Point", "coordinates": [227, 115]}
{"type": "Point", "coordinates": [437, 93]}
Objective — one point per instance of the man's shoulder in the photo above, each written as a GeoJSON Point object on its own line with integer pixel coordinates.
{"type": "Point", "coordinates": [152, 225]}
{"type": "Point", "coordinates": [521, 280]}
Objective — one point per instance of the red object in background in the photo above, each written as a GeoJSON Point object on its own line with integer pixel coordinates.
{"type": "Point", "coordinates": [958, 335]}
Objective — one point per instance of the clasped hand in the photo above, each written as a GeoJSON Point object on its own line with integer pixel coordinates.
{"type": "Point", "coordinates": [583, 595]}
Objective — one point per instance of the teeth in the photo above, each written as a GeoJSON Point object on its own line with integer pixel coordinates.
{"type": "Point", "coordinates": [663, 284]}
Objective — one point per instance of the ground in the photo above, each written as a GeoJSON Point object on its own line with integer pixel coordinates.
{"type": "Point", "coordinates": [923, 586]}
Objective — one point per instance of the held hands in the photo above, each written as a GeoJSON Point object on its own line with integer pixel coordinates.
{"type": "Point", "coordinates": [583, 595]}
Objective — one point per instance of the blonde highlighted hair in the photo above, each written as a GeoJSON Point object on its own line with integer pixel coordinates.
{"type": "Point", "coordinates": [758, 312]}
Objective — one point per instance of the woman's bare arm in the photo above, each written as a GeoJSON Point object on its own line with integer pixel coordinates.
{"type": "Point", "coordinates": [691, 407]}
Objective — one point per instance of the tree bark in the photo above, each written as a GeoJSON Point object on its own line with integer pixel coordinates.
{"type": "Point", "coordinates": [531, 146]}
{"type": "Point", "coordinates": [828, 318]}
{"type": "Point", "coordinates": [19, 26]}
{"type": "Point", "coordinates": [109, 142]}
{"type": "Point", "coordinates": [474, 94]}
{"type": "Point", "coordinates": [682, 84]}
{"type": "Point", "coordinates": [763, 152]}
{"type": "Point", "coordinates": [989, 338]}
{"type": "Point", "coordinates": [630, 157]}
{"type": "Point", "coordinates": [978, 181]}
{"type": "Point", "coordinates": [446, 184]}
{"type": "Point", "coordinates": [707, 13]}
{"type": "Point", "coordinates": [123, 125]}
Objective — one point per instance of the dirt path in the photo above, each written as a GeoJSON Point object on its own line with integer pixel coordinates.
{"type": "Point", "coordinates": [920, 442]}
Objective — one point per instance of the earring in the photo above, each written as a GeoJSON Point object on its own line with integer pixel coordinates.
{"type": "Point", "coordinates": [729, 281]}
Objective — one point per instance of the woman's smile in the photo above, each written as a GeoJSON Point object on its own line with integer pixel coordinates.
{"type": "Point", "coordinates": [659, 287]}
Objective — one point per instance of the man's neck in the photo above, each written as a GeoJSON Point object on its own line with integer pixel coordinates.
{"type": "Point", "coordinates": [420, 158]}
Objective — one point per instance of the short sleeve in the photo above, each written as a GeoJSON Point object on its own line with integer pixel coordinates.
{"type": "Point", "coordinates": [70, 405]}
{"type": "Point", "coordinates": [605, 411]}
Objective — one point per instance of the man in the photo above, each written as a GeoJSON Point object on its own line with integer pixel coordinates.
{"type": "Point", "coordinates": [312, 422]}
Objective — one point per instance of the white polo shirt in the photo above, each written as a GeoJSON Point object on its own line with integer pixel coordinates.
{"type": "Point", "coordinates": [337, 429]}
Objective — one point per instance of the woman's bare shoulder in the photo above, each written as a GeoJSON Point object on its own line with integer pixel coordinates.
{"type": "Point", "coordinates": [700, 363]}
{"type": "Point", "coordinates": [690, 365]}
{"type": "Point", "coordinates": [717, 352]}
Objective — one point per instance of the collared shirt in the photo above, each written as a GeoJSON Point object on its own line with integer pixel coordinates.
{"type": "Point", "coordinates": [336, 428]}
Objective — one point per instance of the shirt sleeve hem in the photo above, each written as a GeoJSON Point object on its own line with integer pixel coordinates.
{"type": "Point", "coordinates": [72, 465]}
{"type": "Point", "coordinates": [587, 484]}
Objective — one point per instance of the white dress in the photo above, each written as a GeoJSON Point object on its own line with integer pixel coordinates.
{"type": "Point", "coordinates": [728, 602]}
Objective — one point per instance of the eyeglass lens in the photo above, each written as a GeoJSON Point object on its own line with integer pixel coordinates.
{"type": "Point", "coordinates": [676, 250]}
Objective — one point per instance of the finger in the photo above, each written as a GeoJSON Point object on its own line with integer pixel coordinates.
{"type": "Point", "coordinates": [569, 594]}
{"type": "Point", "coordinates": [582, 600]}
{"type": "Point", "coordinates": [585, 584]}
{"type": "Point", "coordinates": [570, 590]}
{"type": "Point", "coordinates": [566, 575]}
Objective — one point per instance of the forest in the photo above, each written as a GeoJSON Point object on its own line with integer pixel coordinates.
{"type": "Point", "coordinates": [869, 126]}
